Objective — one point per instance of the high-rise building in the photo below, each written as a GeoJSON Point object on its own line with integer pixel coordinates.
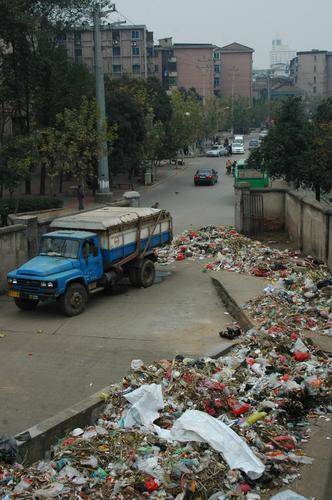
{"type": "Point", "coordinates": [126, 50]}
{"type": "Point", "coordinates": [311, 71]}
{"type": "Point", "coordinates": [280, 53]}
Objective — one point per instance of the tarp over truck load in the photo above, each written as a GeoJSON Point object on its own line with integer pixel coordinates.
{"type": "Point", "coordinates": [122, 230]}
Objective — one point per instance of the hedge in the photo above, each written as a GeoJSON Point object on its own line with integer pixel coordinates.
{"type": "Point", "coordinates": [29, 204]}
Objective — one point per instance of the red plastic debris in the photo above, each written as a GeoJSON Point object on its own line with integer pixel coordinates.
{"type": "Point", "coordinates": [151, 484]}
{"type": "Point", "coordinates": [237, 407]}
{"type": "Point", "coordinates": [286, 441]}
{"type": "Point", "coordinates": [301, 356]}
{"type": "Point", "coordinates": [245, 488]}
{"type": "Point", "coordinates": [180, 256]}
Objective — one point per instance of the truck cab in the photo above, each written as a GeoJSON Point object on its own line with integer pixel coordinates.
{"type": "Point", "coordinates": [66, 258]}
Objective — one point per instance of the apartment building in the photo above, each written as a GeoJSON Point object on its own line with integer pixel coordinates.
{"type": "Point", "coordinates": [126, 49]}
{"type": "Point", "coordinates": [311, 71]}
{"type": "Point", "coordinates": [280, 53]}
{"type": "Point", "coordinates": [236, 70]}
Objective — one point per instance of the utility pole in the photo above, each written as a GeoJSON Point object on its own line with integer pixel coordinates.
{"type": "Point", "coordinates": [103, 193]}
{"type": "Point", "coordinates": [268, 98]}
{"type": "Point", "coordinates": [233, 84]}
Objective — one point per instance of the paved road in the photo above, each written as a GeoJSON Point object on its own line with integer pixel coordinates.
{"type": "Point", "coordinates": [49, 362]}
{"type": "Point", "coordinates": [191, 205]}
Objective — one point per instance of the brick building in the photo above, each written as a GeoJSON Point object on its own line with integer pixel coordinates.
{"type": "Point", "coordinates": [312, 72]}
{"type": "Point", "coordinates": [127, 50]}
{"type": "Point", "coordinates": [236, 70]}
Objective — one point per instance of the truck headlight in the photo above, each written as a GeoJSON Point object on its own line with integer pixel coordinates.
{"type": "Point", "coordinates": [14, 281]}
{"type": "Point", "coordinates": [50, 284]}
{"type": "Point", "coordinates": [9, 281]}
{"type": "Point", "coordinates": [43, 284]}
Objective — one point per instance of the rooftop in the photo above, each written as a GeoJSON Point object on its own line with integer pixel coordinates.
{"type": "Point", "coordinates": [236, 47]}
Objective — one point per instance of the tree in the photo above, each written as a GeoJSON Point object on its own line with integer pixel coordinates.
{"type": "Point", "coordinates": [79, 144]}
{"type": "Point", "coordinates": [28, 52]}
{"type": "Point", "coordinates": [14, 163]}
{"type": "Point", "coordinates": [282, 151]}
{"type": "Point", "coordinates": [317, 171]}
{"type": "Point", "coordinates": [187, 123]}
{"type": "Point", "coordinates": [126, 110]}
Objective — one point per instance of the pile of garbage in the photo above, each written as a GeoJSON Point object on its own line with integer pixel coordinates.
{"type": "Point", "coordinates": [186, 428]}
{"type": "Point", "coordinates": [303, 284]}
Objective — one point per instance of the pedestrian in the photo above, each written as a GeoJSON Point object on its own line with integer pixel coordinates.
{"type": "Point", "coordinates": [230, 150]}
{"type": "Point", "coordinates": [228, 166]}
{"type": "Point", "coordinates": [234, 164]}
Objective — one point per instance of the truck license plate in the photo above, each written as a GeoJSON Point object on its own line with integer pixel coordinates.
{"type": "Point", "coordinates": [13, 293]}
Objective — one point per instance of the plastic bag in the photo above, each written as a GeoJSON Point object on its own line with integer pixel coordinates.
{"type": "Point", "coordinates": [197, 426]}
{"type": "Point", "coordinates": [146, 401]}
{"type": "Point", "coordinates": [288, 495]}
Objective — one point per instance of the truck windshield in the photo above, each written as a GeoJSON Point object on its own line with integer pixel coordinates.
{"type": "Point", "coordinates": [58, 247]}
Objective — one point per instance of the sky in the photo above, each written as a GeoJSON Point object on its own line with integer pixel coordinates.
{"type": "Point", "coordinates": [302, 24]}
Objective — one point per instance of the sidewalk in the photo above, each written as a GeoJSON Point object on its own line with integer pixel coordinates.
{"type": "Point", "coordinates": [316, 479]}
{"type": "Point", "coordinates": [164, 172]}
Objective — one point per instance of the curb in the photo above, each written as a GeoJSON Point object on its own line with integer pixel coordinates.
{"type": "Point", "coordinates": [232, 306]}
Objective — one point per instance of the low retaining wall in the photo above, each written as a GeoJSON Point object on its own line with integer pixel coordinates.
{"type": "Point", "coordinates": [307, 222]}
{"type": "Point", "coordinates": [13, 250]}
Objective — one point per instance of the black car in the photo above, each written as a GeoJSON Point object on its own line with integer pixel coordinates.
{"type": "Point", "coordinates": [205, 176]}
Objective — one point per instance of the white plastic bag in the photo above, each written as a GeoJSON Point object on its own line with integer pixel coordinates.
{"type": "Point", "coordinates": [146, 401]}
{"type": "Point", "coordinates": [198, 426]}
{"type": "Point", "coordinates": [288, 495]}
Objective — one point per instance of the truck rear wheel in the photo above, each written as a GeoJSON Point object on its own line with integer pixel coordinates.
{"type": "Point", "coordinates": [145, 274]}
{"type": "Point", "coordinates": [26, 304]}
{"type": "Point", "coordinates": [74, 300]}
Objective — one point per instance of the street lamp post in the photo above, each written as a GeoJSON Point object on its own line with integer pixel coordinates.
{"type": "Point", "coordinates": [103, 193]}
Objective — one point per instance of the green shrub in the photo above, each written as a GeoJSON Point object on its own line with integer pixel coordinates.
{"type": "Point", "coordinates": [29, 204]}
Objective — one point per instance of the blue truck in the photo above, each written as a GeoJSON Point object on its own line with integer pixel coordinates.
{"type": "Point", "coordinates": [88, 252]}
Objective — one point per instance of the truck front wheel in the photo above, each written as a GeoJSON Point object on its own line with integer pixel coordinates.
{"type": "Point", "coordinates": [26, 304]}
{"type": "Point", "coordinates": [145, 274]}
{"type": "Point", "coordinates": [74, 300]}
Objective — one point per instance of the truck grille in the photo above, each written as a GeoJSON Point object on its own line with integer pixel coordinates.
{"type": "Point", "coordinates": [28, 285]}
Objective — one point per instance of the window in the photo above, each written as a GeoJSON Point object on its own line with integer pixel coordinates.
{"type": "Point", "coordinates": [135, 51]}
{"type": "Point", "coordinates": [77, 37]}
{"type": "Point", "coordinates": [61, 39]}
{"type": "Point", "coordinates": [58, 247]}
{"type": "Point", "coordinates": [216, 56]}
{"type": "Point", "coordinates": [78, 54]}
{"type": "Point", "coordinates": [315, 58]}
{"type": "Point", "coordinates": [136, 69]}
{"type": "Point", "coordinates": [315, 69]}
{"type": "Point", "coordinates": [216, 82]}
{"type": "Point", "coordinates": [156, 68]}
{"type": "Point", "coordinates": [116, 68]}
{"type": "Point", "coordinates": [116, 52]}
{"type": "Point", "coordinates": [314, 90]}
{"type": "Point", "coordinates": [172, 80]}
{"type": "Point", "coordinates": [217, 68]}
{"type": "Point", "coordinates": [135, 35]}
{"type": "Point", "coordinates": [150, 52]}
{"type": "Point", "coordinates": [116, 36]}
{"type": "Point", "coordinates": [314, 79]}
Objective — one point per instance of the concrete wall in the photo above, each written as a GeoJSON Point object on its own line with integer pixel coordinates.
{"type": "Point", "coordinates": [308, 222]}
{"type": "Point", "coordinates": [13, 250]}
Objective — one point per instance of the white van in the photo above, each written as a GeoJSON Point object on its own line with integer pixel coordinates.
{"type": "Point", "coordinates": [239, 138]}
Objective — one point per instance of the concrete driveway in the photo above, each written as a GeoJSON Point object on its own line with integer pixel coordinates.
{"type": "Point", "coordinates": [49, 362]}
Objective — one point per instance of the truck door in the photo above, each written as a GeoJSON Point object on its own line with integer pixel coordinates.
{"type": "Point", "coordinates": [91, 261]}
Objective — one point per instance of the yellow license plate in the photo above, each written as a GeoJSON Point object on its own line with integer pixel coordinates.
{"type": "Point", "coordinates": [13, 293]}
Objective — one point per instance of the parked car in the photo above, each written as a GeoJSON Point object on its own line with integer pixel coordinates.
{"type": "Point", "coordinates": [216, 151]}
{"type": "Point", "coordinates": [237, 148]}
{"type": "Point", "coordinates": [253, 144]}
{"type": "Point", "coordinates": [205, 176]}
{"type": "Point", "coordinates": [263, 133]}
